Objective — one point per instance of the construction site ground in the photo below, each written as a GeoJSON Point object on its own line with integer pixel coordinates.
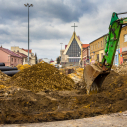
{"type": "Point", "coordinates": [108, 120]}
{"type": "Point", "coordinates": [20, 104]}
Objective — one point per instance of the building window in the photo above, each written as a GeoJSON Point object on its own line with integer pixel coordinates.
{"type": "Point", "coordinates": [98, 57]}
{"type": "Point", "coordinates": [101, 56]}
{"type": "Point", "coordinates": [15, 60]}
{"type": "Point", "coordinates": [74, 49]}
{"type": "Point", "coordinates": [11, 59]}
{"type": "Point", "coordinates": [101, 43]}
{"type": "Point", "coordinates": [18, 60]}
{"type": "Point", "coordinates": [91, 47]}
{"type": "Point", "coordinates": [125, 38]}
{"type": "Point", "coordinates": [26, 60]}
{"type": "Point", "coordinates": [98, 44]}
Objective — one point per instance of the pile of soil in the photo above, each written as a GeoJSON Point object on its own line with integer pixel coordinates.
{"type": "Point", "coordinates": [41, 76]}
{"type": "Point", "coordinates": [77, 75]}
{"type": "Point", "coordinates": [4, 77]}
{"type": "Point", "coordinates": [22, 106]}
{"type": "Point", "coordinates": [21, 67]}
{"type": "Point", "coordinates": [121, 69]}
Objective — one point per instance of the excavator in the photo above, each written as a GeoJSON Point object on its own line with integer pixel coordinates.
{"type": "Point", "coordinates": [95, 74]}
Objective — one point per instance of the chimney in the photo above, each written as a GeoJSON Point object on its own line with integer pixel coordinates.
{"type": "Point", "coordinates": [78, 37]}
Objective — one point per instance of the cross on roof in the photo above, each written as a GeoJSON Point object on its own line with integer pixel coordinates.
{"type": "Point", "coordinates": [74, 27]}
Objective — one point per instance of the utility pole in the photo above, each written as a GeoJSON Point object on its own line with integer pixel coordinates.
{"type": "Point", "coordinates": [61, 48]}
{"type": "Point", "coordinates": [27, 5]}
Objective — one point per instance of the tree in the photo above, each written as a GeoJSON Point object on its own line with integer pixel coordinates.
{"type": "Point", "coordinates": [58, 59]}
{"type": "Point", "coordinates": [35, 58]}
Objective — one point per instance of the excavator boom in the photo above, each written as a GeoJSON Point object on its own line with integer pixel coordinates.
{"type": "Point", "coordinates": [95, 74]}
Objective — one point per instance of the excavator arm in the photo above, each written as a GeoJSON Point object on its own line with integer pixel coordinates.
{"type": "Point", "coordinates": [112, 41]}
{"type": "Point", "coordinates": [94, 75]}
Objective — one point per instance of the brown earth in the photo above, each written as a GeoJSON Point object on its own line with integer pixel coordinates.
{"type": "Point", "coordinates": [41, 76]}
{"type": "Point", "coordinates": [18, 105]}
{"type": "Point", "coordinates": [27, 97]}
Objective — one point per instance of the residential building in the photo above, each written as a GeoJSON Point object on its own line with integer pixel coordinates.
{"type": "Point", "coordinates": [85, 54]}
{"type": "Point", "coordinates": [123, 45]}
{"type": "Point", "coordinates": [23, 56]}
{"type": "Point", "coordinates": [32, 57]}
{"type": "Point", "coordinates": [46, 60]}
{"type": "Point", "coordinates": [10, 58]}
{"type": "Point", "coordinates": [97, 49]}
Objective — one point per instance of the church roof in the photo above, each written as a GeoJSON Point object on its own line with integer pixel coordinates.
{"type": "Point", "coordinates": [76, 38]}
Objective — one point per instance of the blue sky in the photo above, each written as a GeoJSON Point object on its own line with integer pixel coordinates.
{"type": "Point", "coordinates": [51, 21]}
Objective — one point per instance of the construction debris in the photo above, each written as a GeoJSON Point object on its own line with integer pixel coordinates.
{"type": "Point", "coordinates": [77, 75]}
{"type": "Point", "coordinates": [121, 69]}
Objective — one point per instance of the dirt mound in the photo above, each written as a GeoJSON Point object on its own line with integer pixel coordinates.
{"type": "Point", "coordinates": [121, 69]}
{"type": "Point", "coordinates": [4, 77]}
{"type": "Point", "coordinates": [42, 76]}
{"type": "Point", "coordinates": [21, 67]}
{"type": "Point", "coordinates": [18, 105]}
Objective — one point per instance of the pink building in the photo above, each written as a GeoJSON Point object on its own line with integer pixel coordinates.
{"type": "Point", "coordinates": [85, 54]}
{"type": "Point", "coordinates": [10, 58]}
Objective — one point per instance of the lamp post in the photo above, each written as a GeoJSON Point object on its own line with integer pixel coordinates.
{"type": "Point", "coordinates": [61, 48]}
{"type": "Point", "coordinates": [27, 5]}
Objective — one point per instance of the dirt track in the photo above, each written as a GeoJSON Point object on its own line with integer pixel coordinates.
{"type": "Point", "coordinates": [114, 120]}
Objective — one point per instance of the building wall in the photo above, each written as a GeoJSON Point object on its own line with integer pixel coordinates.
{"type": "Point", "coordinates": [95, 48]}
{"type": "Point", "coordinates": [4, 58]}
{"type": "Point", "coordinates": [7, 59]}
{"type": "Point", "coordinates": [101, 53]}
{"type": "Point", "coordinates": [123, 41]}
{"type": "Point", "coordinates": [16, 48]}
{"type": "Point", "coordinates": [85, 56]}
{"type": "Point", "coordinates": [14, 61]}
{"type": "Point", "coordinates": [32, 60]}
{"type": "Point", "coordinates": [123, 45]}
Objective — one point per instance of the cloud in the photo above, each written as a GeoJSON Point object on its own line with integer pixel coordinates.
{"type": "Point", "coordinates": [51, 20]}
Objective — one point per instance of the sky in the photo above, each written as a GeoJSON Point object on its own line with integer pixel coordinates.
{"type": "Point", "coordinates": [50, 23]}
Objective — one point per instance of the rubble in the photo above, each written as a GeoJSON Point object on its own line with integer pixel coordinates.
{"type": "Point", "coordinates": [121, 69]}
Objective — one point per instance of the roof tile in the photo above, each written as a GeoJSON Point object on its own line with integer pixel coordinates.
{"type": "Point", "coordinates": [10, 52]}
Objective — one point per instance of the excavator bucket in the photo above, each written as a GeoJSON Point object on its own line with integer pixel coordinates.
{"type": "Point", "coordinates": [94, 76]}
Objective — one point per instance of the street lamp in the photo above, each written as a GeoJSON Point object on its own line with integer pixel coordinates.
{"type": "Point", "coordinates": [61, 48]}
{"type": "Point", "coordinates": [27, 5]}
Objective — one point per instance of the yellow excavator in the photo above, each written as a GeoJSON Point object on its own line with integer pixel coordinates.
{"type": "Point", "coordinates": [95, 74]}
